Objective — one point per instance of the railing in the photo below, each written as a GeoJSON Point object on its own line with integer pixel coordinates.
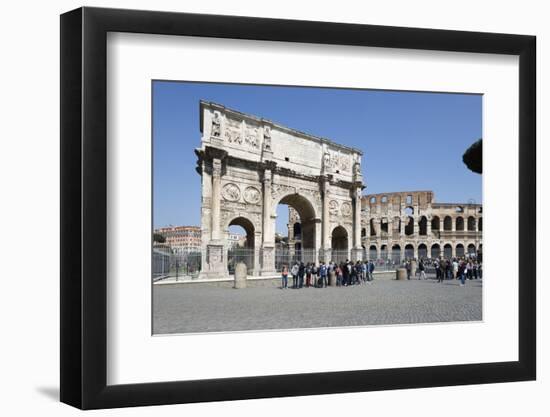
{"type": "Point", "coordinates": [236, 255]}
{"type": "Point", "coordinates": [161, 264]}
{"type": "Point", "coordinates": [187, 264]}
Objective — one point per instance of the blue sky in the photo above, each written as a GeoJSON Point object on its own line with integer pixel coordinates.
{"type": "Point", "coordinates": [410, 141]}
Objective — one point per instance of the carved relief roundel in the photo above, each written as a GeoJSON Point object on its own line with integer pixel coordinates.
{"type": "Point", "coordinates": [346, 209]}
{"type": "Point", "coordinates": [252, 195]}
{"type": "Point", "coordinates": [231, 192]}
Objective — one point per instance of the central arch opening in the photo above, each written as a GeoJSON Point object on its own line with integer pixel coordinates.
{"type": "Point", "coordinates": [295, 231]}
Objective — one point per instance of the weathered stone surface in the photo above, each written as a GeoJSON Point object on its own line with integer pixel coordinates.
{"type": "Point", "coordinates": [413, 267]}
{"type": "Point", "coordinates": [401, 274]}
{"type": "Point", "coordinates": [411, 225]}
{"type": "Point", "coordinates": [240, 275]}
{"type": "Point", "coordinates": [214, 309]}
{"type": "Point", "coordinates": [332, 279]}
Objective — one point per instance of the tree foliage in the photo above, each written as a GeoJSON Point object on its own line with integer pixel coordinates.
{"type": "Point", "coordinates": [157, 237]}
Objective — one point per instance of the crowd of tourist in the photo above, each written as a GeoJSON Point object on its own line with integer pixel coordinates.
{"type": "Point", "coordinates": [458, 268]}
{"type": "Point", "coordinates": [446, 269]}
{"type": "Point", "coordinates": [343, 274]}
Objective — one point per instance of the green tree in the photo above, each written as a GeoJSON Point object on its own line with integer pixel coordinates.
{"type": "Point", "coordinates": [157, 237]}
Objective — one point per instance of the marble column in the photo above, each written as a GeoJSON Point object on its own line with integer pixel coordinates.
{"type": "Point", "coordinates": [357, 250]}
{"type": "Point", "coordinates": [357, 219]}
{"type": "Point", "coordinates": [216, 197]}
{"type": "Point", "coordinates": [266, 230]}
{"type": "Point", "coordinates": [216, 251]}
{"type": "Point", "coordinates": [268, 241]}
{"type": "Point", "coordinates": [326, 246]}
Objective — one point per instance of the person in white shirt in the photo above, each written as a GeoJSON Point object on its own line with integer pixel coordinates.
{"type": "Point", "coordinates": [294, 272]}
{"type": "Point", "coordinates": [455, 269]}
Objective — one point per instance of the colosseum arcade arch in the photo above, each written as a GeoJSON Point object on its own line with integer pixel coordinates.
{"type": "Point", "coordinates": [413, 218]}
{"type": "Point", "coordinates": [459, 250]}
{"type": "Point", "coordinates": [422, 251]}
{"type": "Point", "coordinates": [373, 253]}
{"type": "Point", "coordinates": [248, 165]}
{"type": "Point", "coordinates": [435, 251]}
{"type": "Point", "coordinates": [409, 251]}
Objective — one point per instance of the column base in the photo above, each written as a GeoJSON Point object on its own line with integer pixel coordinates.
{"type": "Point", "coordinates": [357, 254]}
{"type": "Point", "coordinates": [268, 260]}
{"type": "Point", "coordinates": [216, 262]}
{"type": "Point", "coordinates": [325, 255]}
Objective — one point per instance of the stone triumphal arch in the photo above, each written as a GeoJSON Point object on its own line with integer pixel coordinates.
{"type": "Point", "coordinates": [249, 165]}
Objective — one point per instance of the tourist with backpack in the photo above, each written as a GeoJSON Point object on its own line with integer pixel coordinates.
{"type": "Point", "coordinates": [284, 277]}
{"type": "Point", "coordinates": [371, 271]}
{"type": "Point", "coordinates": [323, 275]}
{"type": "Point", "coordinates": [422, 270]}
{"type": "Point", "coordinates": [294, 272]}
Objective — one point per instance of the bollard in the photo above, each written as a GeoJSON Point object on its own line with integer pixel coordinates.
{"type": "Point", "coordinates": [401, 274]}
{"type": "Point", "coordinates": [332, 278]}
{"type": "Point", "coordinates": [240, 275]}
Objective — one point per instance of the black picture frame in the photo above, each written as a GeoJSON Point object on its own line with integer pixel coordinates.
{"type": "Point", "coordinates": [84, 207]}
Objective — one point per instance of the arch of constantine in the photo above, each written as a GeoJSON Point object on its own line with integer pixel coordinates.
{"type": "Point", "coordinates": [249, 165]}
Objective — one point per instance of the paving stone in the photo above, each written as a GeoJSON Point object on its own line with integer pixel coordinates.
{"type": "Point", "coordinates": [188, 308]}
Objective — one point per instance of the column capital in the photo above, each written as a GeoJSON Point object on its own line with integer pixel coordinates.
{"type": "Point", "coordinates": [325, 182]}
{"type": "Point", "coordinates": [214, 153]}
{"type": "Point", "coordinates": [216, 167]}
{"type": "Point", "coordinates": [269, 165]}
{"type": "Point", "coordinates": [266, 178]}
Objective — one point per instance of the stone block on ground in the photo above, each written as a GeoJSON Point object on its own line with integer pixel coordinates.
{"type": "Point", "coordinates": [240, 275]}
{"type": "Point", "coordinates": [401, 274]}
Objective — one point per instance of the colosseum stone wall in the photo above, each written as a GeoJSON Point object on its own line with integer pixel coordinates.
{"type": "Point", "coordinates": [410, 224]}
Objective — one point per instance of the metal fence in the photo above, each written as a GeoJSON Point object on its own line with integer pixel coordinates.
{"type": "Point", "coordinates": [161, 264]}
{"type": "Point", "coordinates": [187, 264]}
{"type": "Point", "coordinates": [253, 258]}
{"type": "Point", "coordinates": [236, 255]}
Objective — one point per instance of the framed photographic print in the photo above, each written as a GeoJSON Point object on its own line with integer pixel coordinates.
{"type": "Point", "coordinates": [257, 207]}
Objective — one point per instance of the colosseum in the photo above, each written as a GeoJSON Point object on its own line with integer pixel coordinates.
{"type": "Point", "coordinates": [410, 224]}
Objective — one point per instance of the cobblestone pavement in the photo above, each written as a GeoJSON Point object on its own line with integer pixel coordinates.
{"type": "Point", "coordinates": [193, 308]}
